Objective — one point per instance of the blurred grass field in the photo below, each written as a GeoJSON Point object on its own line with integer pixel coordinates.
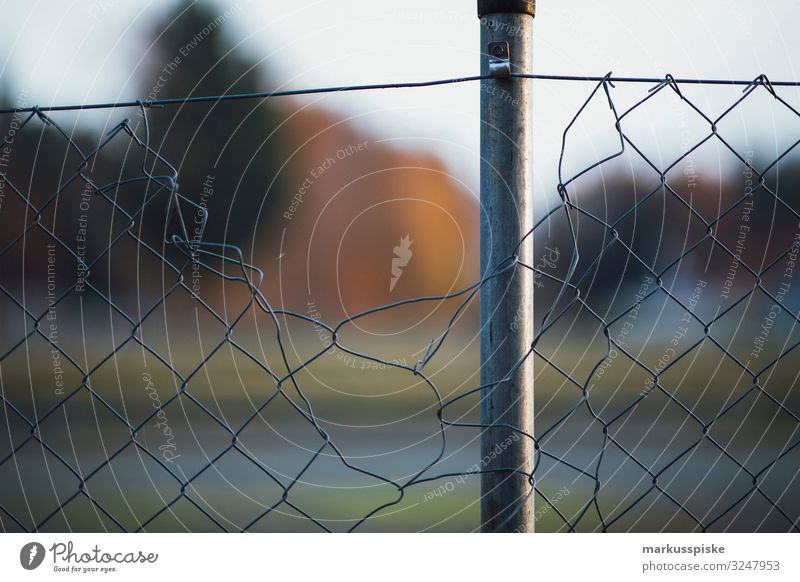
{"type": "Point", "coordinates": [383, 420]}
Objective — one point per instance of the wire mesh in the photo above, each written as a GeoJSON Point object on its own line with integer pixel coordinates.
{"type": "Point", "coordinates": [620, 444]}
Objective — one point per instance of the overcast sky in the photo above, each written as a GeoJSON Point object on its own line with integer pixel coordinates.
{"type": "Point", "coordinates": [80, 51]}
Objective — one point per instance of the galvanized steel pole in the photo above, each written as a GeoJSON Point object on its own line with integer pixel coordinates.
{"type": "Point", "coordinates": [507, 300]}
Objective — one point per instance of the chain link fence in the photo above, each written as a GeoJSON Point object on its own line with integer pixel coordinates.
{"type": "Point", "coordinates": [665, 351]}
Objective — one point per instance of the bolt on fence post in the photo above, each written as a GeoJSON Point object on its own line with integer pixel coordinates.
{"type": "Point", "coordinates": [507, 300]}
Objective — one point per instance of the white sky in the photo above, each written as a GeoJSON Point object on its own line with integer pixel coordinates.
{"type": "Point", "coordinates": [76, 51]}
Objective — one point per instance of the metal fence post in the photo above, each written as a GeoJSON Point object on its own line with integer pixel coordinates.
{"type": "Point", "coordinates": [507, 300]}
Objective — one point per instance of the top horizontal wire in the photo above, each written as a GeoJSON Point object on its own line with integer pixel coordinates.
{"type": "Point", "coordinates": [407, 85]}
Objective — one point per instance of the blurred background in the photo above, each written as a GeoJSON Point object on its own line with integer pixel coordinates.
{"type": "Point", "coordinates": [346, 202]}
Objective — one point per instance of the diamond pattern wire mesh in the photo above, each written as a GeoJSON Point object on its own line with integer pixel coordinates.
{"type": "Point", "coordinates": [592, 470]}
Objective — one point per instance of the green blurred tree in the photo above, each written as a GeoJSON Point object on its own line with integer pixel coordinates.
{"type": "Point", "coordinates": [228, 145]}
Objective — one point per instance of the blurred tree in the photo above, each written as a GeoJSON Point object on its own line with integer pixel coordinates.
{"type": "Point", "coordinates": [226, 153]}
